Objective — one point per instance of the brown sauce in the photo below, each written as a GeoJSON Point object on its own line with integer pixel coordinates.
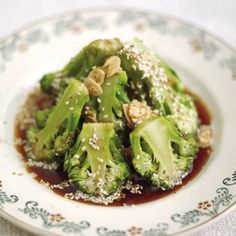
{"type": "Point", "coordinates": [148, 193]}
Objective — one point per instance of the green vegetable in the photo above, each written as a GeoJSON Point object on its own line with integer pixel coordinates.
{"type": "Point", "coordinates": [79, 66]}
{"type": "Point", "coordinates": [47, 80]}
{"type": "Point", "coordinates": [115, 101]}
{"type": "Point", "coordinates": [41, 117]}
{"type": "Point", "coordinates": [95, 164]}
{"type": "Point", "coordinates": [161, 154]}
{"type": "Point", "coordinates": [58, 131]}
{"type": "Point", "coordinates": [155, 82]}
{"type": "Point", "coordinates": [112, 99]}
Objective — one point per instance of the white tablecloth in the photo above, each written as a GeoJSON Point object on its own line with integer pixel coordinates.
{"type": "Point", "coordinates": [217, 16]}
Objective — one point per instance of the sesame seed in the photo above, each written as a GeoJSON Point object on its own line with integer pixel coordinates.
{"type": "Point", "coordinates": [93, 142]}
{"type": "Point", "coordinates": [139, 85]}
{"type": "Point", "coordinates": [143, 96]}
{"type": "Point", "coordinates": [100, 160]}
{"type": "Point", "coordinates": [51, 166]}
{"type": "Point", "coordinates": [150, 67]}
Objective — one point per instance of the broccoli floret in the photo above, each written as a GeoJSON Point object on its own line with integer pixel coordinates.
{"type": "Point", "coordinates": [46, 82]}
{"type": "Point", "coordinates": [183, 114]}
{"type": "Point", "coordinates": [153, 80]}
{"type": "Point", "coordinates": [113, 97]}
{"type": "Point", "coordinates": [95, 164]}
{"type": "Point", "coordinates": [173, 78]}
{"type": "Point", "coordinates": [161, 154]}
{"type": "Point", "coordinates": [41, 117]}
{"type": "Point", "coordinates": [59, 128]}
{"type": "Point", "coordinates": [93, 54]}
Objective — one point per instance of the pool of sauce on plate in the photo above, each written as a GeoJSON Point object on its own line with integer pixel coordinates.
{"type": "Point", "coordinates": [148, 193]}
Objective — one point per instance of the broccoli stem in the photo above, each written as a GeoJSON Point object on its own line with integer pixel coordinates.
{"type": "Point", "coordinates": [113, 97]}
{"type": "Point", "coordinates": [67, 110]}
{"type": "Point", "coordinates": [103, 132]}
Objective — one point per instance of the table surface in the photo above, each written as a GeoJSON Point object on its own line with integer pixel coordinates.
{"type": "Point", "coordinates": [216, 16]}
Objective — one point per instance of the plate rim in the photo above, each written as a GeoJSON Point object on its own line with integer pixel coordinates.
{"type": "Point", "coordinates": [195, 228]}
{"type": "Point", "coordinates": [52, 17]}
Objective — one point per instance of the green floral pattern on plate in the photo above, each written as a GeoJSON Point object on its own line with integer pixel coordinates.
{"type": "Point", "coordinates": [5, 198]}
{"type": "Point", "coordinates": [53, 220]}
{"type": "Point", "coordinates": [230, 63]}
{"type": "Point", "coordinates": [20, 42]}
{"type": "Point", "coordinates": [206, 209]}
{"type": "Point", "coordinates": [230, 181]}
{"type": "Point", "coordinates": [199, 41]}
{"type": "Point", "coordinates": [159, 230]}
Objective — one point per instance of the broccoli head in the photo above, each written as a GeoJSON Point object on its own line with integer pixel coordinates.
{"type": "Point", "coordinates": [94, 54]}
{"type": "Point", "coordinates": [183, 113]}
{"type": "Point", "coordinates": [56, 128]}
{"type": "Point", "coordinates": [161, 154]}
{"type": "Point", "coordinates": [41, 117]}
{"type": "Point", "coordinates": [154, 81]}
{"type": "Point", "coordinates": [95, 164]}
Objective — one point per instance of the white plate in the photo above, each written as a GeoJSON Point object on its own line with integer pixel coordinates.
{"type": "Point", "coordinates": [207, 67]}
